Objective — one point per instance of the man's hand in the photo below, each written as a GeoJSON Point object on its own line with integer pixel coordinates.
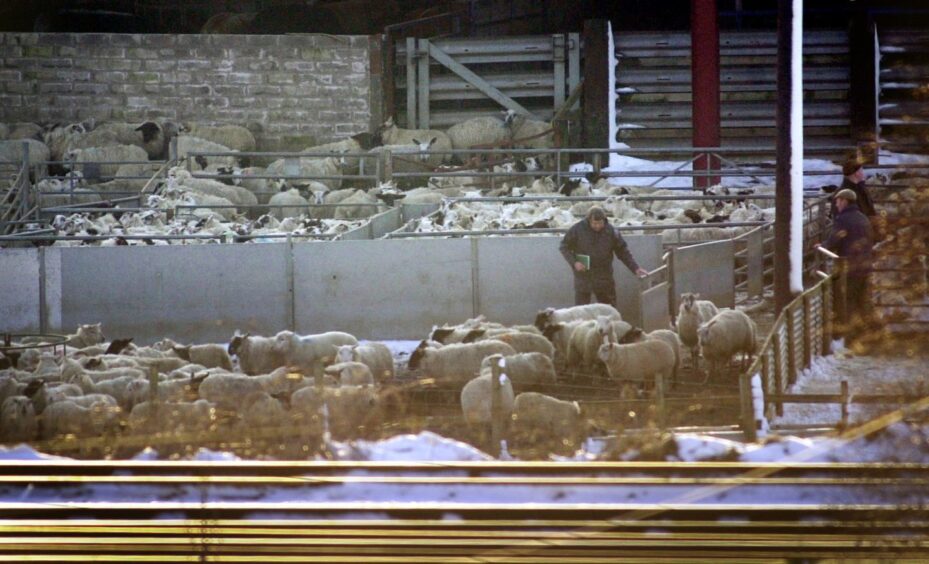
{"type": "Point", "coordinates": [579, 266]}
{"type": "Point", "coordinates": [641, 272]}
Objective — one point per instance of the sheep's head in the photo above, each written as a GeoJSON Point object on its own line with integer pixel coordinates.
{"type": "Point", "coordinates": [605, 328]}
{"type": "Point", "coordinates": [418, 354]}
{"type": "Point", "coordinates": [150, 131]}
{"type": "Point", "coordinates": [543, 318]}
{"type": "Point", "coordinates": [235, 344]}
{"type": "Point", "coordinates": [423, 147]}
{"type": "Point", "coordinates": [345, 353]}
{"type": "Point", "coordinates": [283, 340]}
{"type": "Point", "coordinates": [118, 345]}
{"type": "Point", "coordinates": [92, 333]}
{"type": "Point", "coordinates": [688, 301]}
{"type": "Point", "coordinates": [385, 131]}
{"type": "Point", "coordinates": [549, 331]}
{"type": "Point", "coordinates": [603, 353]}
{"type": "Point", "coordinates": [634, 335]}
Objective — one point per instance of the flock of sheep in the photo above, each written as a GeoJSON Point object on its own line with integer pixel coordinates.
{"type": "Point", "coordinates": [331, 382]}
{"type": "Point", "coordinates": [88, 163]}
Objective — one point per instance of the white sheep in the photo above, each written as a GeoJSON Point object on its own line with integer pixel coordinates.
{"type": "Point", "coordinates": [390, 134]}
{"type": "Point", "coordinates": [83, 416]}
{"type": "Point", "coordinates": [636, 335]}
{"type": "Point", "coordinates": [187, 144]}
{"type": "Point", "coordinates": [560, 336]}
{"type": "Point", "coordinates": [86, 335]}
{"type": "Point", "coordinates": [234, 137]}
{"type": "Point", "coordinates": [263, 411]}
{"type": "Point", "coordinates": [209, 355]}
{"type": "Point", "coordinates": [18, 421]}
{"type": "Point", "coordinates": [481, 131]}
{"type": "Point", "coordinates": [59, 138]}
{"type": "Point", "coordinates": [235, 194]}
{"type": "Point", "coordinates": [540, 417]}
{"type": "Point", "coordinates": [147, 417]}
{"type": "Point", "coordinates": [583, 345]}
{"type": "Point", "coordinates": [611, 330]}
{"type": "Point", "coordinates": [11, 151]}
{"type": "Point", "coordinates": [525, 370]}
{"type": "Point", "coordinates": [455, 364]}
{"type": "Point", "coordinates": [351, 373]}
{"type": "Point", "coordinates": [551, 315]}
{"type": "Point", "coordinates": [375, 355]}
{"type": "Point", "coordinates": [476, 399]}
{"type": "Point", "coordinates": [228, 390]}
{"type": "Point", "coordinates": [530, 133]}
{"type": "Point", "coordinates": [692, 313]}
{"type": "Point", "coordinates": [103, 162]}
{"type": "Point", "coordinates": [349, 208]}
{"type": "Point", "coordinates": [307, 351]}
{"type": "Point", "coordinates": [306, 169]}
{"type": "Point", "coordinates": [286, 199]}
{"type": "Point", "coordinates": [343, 410]}
{"type": "Point", "coordinates": [350, 150]}
{"type": "Point", "coordinates": [522, 341]}
{"type": "Point", "coordinates": [256, 354]}
{"type": "Point", "coordinates": [638, 362]}
{"type": "Point", "coordinates": [729, 332]}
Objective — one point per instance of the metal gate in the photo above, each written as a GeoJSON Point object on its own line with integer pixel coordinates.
{"type": "Point", "coordinates": [447, 81]}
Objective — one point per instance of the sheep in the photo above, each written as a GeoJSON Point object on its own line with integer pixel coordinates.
{"type": "Point", "coordinates": [47, 366]}
{"type": "Point", "coordinates": [390, 134]}
{"type": "Point", "coordinates": [103, 162]}
{"type": "Point", "coordinates": [551, 315]}
{"type": "Point", "coordinates": [692, 313]}
{"type": "Point", "coordinates": [235, 137]}
{"type": "Point", "coordinates": [235, 194]}
{"type": "Point", "coordinates": [375, 355]}
{"type": "Point", "coordinates": [126, 390]}
{"type": "Point", "coordinates": [348, 208]}
{"type": "Point", "coordinates": [306, 169]}
{"type": "Point", "coordinates": [347, 408]}
{"type": "Point", "coordinates": [89, 417]}
{"type": "Point", "coordinates": [354, 145]}
{"type": "Point", "coordinates": [522, 341]}
{"type": "Point", "coordinates": [150, 136]}
{"type": "Point", "coordinates": [306, 351]}
{"type": "Point", "coordinates": [636, 335]}
{"type": "Point", "coordinates": [484, 131]}
{"type": "Point", "coordinates": [25, 130]}
{"type": "Point", "coordinates": [73, 372]}
{"type": "Point", "coordinates": [540, 417]}
{"type": "Point", "coordinates": [525, 370]}
{"type": "Point", "coordinates": [529, 133]}
{"type": "Point", "coordinates": [18, 421]}
{"type": "Point", "coordinates": [291, 197]}
{"type": "Point", "coordinates": [455, 364]}
{"type": "Point", "coordinates": [263, 411]}
{"type": "Point", "coordinates": [351, 373]}
{"type": "Point", "coordinates": [638, 362]}
{"type": "Point", "coordinates": [227, 390]}
{"type": "Point", "coordinates": [729, 332]}
{"type": "Point", "coordinates": [50, 393]}
{"type": "Point", "coordinates": [476, 400]}
{"type": "Point", "coordinates": [58, 139]}
{"type": "Point", "coordinates": [187, 144]}
{"type": "Point", "coordinates": [256, 355]}
{"type": "Point", "coordinates": [11, 151]}
{"type": "Point", "coordinates": [208, 355]}
{"type": "Point", "coordinates": [612, 330]}
{"type": "Point", "coordinates": [148, 417]}
{"type": "Point", "coordinates": [560, 336]}
{"type": "Point", "coordinates": [583, 345]}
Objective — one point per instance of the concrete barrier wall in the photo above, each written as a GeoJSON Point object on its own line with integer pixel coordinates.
{"type": "Point", "coordinates": [381, 289]}
{"type": "Point", "coordinates": [199, 293]}
{"type": "Point", "coordinates": [707, 269]}
{"type": "Point", "coordinates": [385, 289]}
{"type": "Point", "coordinates": [19, 276]}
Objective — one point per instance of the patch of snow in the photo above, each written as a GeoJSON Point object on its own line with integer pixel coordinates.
{"type": "Point", "coordinates": [147, 454]}
{"type": "Point", "coordinates": [423, 446]}
{"type": "Point", "coordinates": [26, 452]}
{"type": "Point", "coordinates": [692, 447]}
{"type": "Point", "coordinates": [208, 455]}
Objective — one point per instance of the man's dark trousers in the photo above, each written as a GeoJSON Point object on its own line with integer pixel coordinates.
{"type": "Point", "coordinates": [603, 287]}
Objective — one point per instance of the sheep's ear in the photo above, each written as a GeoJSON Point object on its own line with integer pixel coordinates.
{"type": "Point", "coordinates": [473, 335]}
{"type": "Point", "coordinates": [577, 406]}
{"type": "Point", "coordinates": [432, 141]}
{"type": "Point", "coordinates": [440, 334]}
{"type": "Point", "coordinates": [417, 142]}
{"type": "Point", "coordinates": [389, 122]}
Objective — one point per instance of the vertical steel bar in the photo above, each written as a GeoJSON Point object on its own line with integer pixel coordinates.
{"type": "Point", "coordinates": [412, 83]}
{"type": "Point", "coordinates": [558, 57]}
{"type": "Point", "coordinates": [423, 54]}
{"type": "Point", "coordinates": [783, 197]}
{"type": "Point", "coordinates": [704, 30]}
{"type": "Point", "coordinates": [747, 407]}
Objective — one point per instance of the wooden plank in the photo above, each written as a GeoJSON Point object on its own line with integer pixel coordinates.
{"type": "Point", "coordinates": [574, 64]}
{"type": "Point", "coordinates": [411, 114]}
{"type": "Point", "coordinates": [423, 82]}
{"type": "Point", "coordinates": [558, 48]}
{"type": "Point", "coordinates": [477, 81]}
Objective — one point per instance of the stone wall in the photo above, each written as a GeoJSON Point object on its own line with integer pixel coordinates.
{"type": "Point", "coordinates": [295, 89]}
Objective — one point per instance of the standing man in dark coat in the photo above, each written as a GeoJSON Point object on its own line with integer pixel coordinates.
{"type": "Point", "coordinates": [595, 241]}
{"type": "Point", "coordinates": [852, 238]}
{"type": "Point", "coordinates": [854, 181]}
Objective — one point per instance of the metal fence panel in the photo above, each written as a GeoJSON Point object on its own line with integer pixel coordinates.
{"type": "Point", "coordinates": [196, 293]}
{"type": "Point", "coordinates": [655, 311]}
{"type": "Point", "coordinates": [383, 289]}
{"type": "Point", "coordinates": [707, 269]}
{"type": "Point", "coordinates": [20, 306]}
{"type": "Point", "coordinates": [385, 222]}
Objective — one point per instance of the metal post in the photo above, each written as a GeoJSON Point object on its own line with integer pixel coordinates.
{"type": "Point", "coordinates": [844, 387]}
{"type": "Point", "coordinates": [863, 75]}
{"type": "Point", "coordinates": [660, 407]}
{"type": "Point", "coordinates": [783, 196]}
{"type": "Point", "coordinates": [496, 405]}
{"type": "Point", "coordinates": [596, 94]}
{"type": "Point", "coordinates": [704, 33]}
{"type": "Point", "coordinates": [747, 407]}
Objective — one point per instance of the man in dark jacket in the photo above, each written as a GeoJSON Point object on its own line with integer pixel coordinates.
{"type": "Point", "coordinates": [852, 238]}
{"type": "Point", "coordinates": [595, 241]}
{"type": "Point", "coordinates": [854, 181]}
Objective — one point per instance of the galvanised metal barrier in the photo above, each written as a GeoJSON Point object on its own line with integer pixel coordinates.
{"type": "Point", "coordinates": [802, 332]}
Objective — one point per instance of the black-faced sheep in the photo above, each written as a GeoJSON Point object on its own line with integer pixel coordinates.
{"type": "Point", "coordinates": [256, 354]}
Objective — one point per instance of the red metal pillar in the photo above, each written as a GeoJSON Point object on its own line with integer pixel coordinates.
{"type": "Point", "coordinates": [704, 33]}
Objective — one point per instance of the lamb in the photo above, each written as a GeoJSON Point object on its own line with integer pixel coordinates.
{"type": "Point", "coordinates": [692, 313]}
{"type": "Point", "coordinates": [257, 355]}
{"type": "Point", "coordinates": [455, 364]}
{"type": "Point", "coordinates": [195, 416]}
{"type": "Point", "coordinates": [347, 408]}
{"type": "Point", "coordinates": [348, 208]}
{"type": "Point", "coordinates": [729, 332]}
{"type": "Point", "coordinates": [308, 168]}
{"type": "Point", "coordinates": [540, 417]}
{"type": "Point", "coordinates": [18, 421]}
{"type": "Point", "coordinates": [208, 355]}
{"type": "Point", "coordinates": [235, 137]}
{"type": "Point", "coordinates": [584, 344]}
{"type": "Point", "coordinates": [291, 197]}
{"type": "Point", "coordinates": [306, 351]}
{"type": "Point", "coordinates": [103, 162]}
{"type": "Point", "coordinates": [636, 335]}
{"type": "Point", "coordinates": [390, 134]}
{"type": "Point", "coordinates": [638, 362]}
{"type": "Point", "coordinates": [484, 131]}
{"type": "Point", "coordinates": [351, 373]}
{"type": "Point", "coordinates": [525, 370]}
{"type": "Point", "coordinates": [476, 399]}
{"type": "Point", "coordinates": [551, 315]}
{"type": "Point", "coordinates": [375, 355]}
{"type": "Point", "coordinates": [187, 144]}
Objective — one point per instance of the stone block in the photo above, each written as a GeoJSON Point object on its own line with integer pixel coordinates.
{"type": "Point", "coordinates": [125, 39]}
{"type": "Point", "coordinates": [55, 87]}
